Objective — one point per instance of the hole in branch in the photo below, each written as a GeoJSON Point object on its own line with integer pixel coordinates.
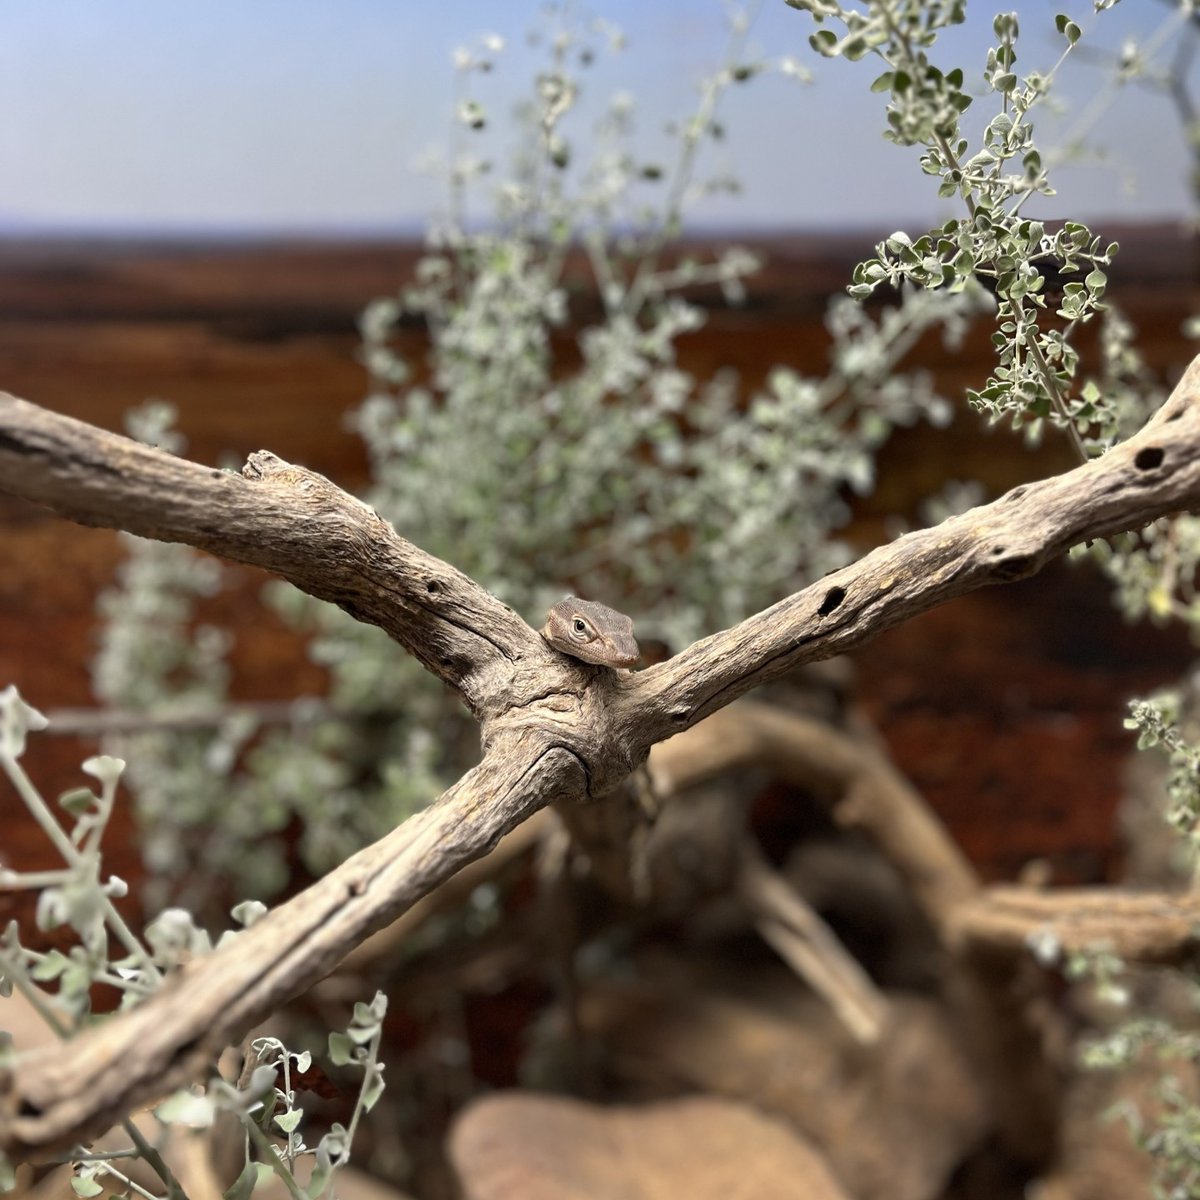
{"type": "Point", "coordinates": [432, 586]}
{"type": "Point", "coordinates": [1017, 567]}
{"type": "Point", "coordinates": [833, 598]}
{"type": "Point", "coordinates": [1149, 458]}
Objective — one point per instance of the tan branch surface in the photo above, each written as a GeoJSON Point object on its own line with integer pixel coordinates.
{"type": "Point", "coordinates": [553, 729]}
{"type": "Point", "coordinates": [1150, 475]}
{"type": "Point", "coordinates": [1147, 927]}
{"type": "Point", "coordinates": [283, 518]}
{"type": "Point", "coordinates": [1021, 1038]}
{"type": "Point", "coordinates": [63, 1092]}
{"type": "Point", "coordinates": [803, 940]}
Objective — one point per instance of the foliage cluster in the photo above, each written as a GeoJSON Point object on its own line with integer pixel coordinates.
{"type": "Point", "coordinates": [76, 897]}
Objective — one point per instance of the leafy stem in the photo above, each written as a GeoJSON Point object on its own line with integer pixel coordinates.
{"type": "Point", "coordinates": [1050, 383]}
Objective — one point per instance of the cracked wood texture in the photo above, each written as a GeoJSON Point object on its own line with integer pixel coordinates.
{"type": "Point", "coordinates": [288, 520]}
{"type": "Point", "coordinates": [554, 729]}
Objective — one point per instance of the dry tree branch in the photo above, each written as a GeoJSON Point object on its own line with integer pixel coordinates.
{"type": "Point", "coordinates": [862, 788]}
{"type": "Point", "coordinates": [1143, 927]}
{"type": "Point", "coordinates": [371, 956]}
{"type": "Point", "coordinates": [552, 728]}
{"type": "Point", "coordinates": [1020, 1038]}
{"type": "Point", "coordinates": [63, 1091]}
{"type": "Point", "coordinates": [809, 946]}
{"type": "Point", "coordinates": [283, 518]}
{"type": "Point", "coordinates": [1152, 474]}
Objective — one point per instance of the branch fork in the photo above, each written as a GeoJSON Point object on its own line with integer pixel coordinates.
{"type": "Point", "coordinates": [553, 729]}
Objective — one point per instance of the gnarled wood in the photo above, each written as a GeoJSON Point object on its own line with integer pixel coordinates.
{"type": "Point", "coordinates": [552, 728]}
{"type": "Point", "coordinates": [62, 1093]}
{"type": "Point", "coordinates": [288, 520]}
{"type": "Point", "coordinates": [1154, 473]}
{"type": "Point", "coordinates": [862, 789]}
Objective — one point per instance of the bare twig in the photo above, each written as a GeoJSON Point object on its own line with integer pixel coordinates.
{"type": "Point", "coordinates": [103, 722]}
{"type": "Point", "coordinates": [808, 945]}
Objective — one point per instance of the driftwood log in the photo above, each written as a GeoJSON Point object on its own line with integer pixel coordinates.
{"type": "Point", "coordinates": [553, 729]}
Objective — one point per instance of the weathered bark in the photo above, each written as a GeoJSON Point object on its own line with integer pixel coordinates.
{"type": "Point", "coordinates": [283, 518]}
{"type": "Point", "coordinates": [1152, 474]}
{"type": "Point", "coordinates": [61, 1092]}
{"type": "Point", "coordinates": [553, 728]}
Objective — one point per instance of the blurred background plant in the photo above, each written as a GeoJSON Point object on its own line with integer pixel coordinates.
{"type": "Point", "coordinates": [549, 441]}
{"type": "Point", "coordinates": [61, 987]}
{"type": "Point", "coordinates": [536, 461]}
{"type": "Point", "coordinates": [1144, 1015]}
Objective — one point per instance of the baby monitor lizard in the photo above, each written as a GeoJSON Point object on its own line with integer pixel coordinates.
{"type": "Point", "coordinates": [592, 632]}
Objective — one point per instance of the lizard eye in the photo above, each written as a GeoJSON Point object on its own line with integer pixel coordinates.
{"type": "Point", "coordinates": [580, 626]}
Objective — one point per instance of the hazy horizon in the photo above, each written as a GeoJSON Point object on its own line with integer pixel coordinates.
{"type": "Point", "coordinates": [415, 233]}
{"type": "Point", "coordinates": [294, 118]}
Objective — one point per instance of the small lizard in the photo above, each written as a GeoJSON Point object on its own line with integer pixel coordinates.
{"type": "Point", "coordinates": [598, 634]}
{"type": "Point", "coordinates": [592, 632]}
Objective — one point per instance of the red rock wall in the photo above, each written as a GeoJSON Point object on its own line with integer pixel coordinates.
{"type": "Point", "coordinates": [1004, 708]}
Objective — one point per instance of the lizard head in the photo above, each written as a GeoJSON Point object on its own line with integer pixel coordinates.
{"type": "Point", "coordinates": [591, 632]}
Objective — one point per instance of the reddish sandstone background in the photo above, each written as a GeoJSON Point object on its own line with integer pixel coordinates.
{"type": "Point", "coordinates": [1004, 707]}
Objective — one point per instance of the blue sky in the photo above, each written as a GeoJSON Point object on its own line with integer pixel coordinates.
{"type": "Point", "coordinates": [310, 116]}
